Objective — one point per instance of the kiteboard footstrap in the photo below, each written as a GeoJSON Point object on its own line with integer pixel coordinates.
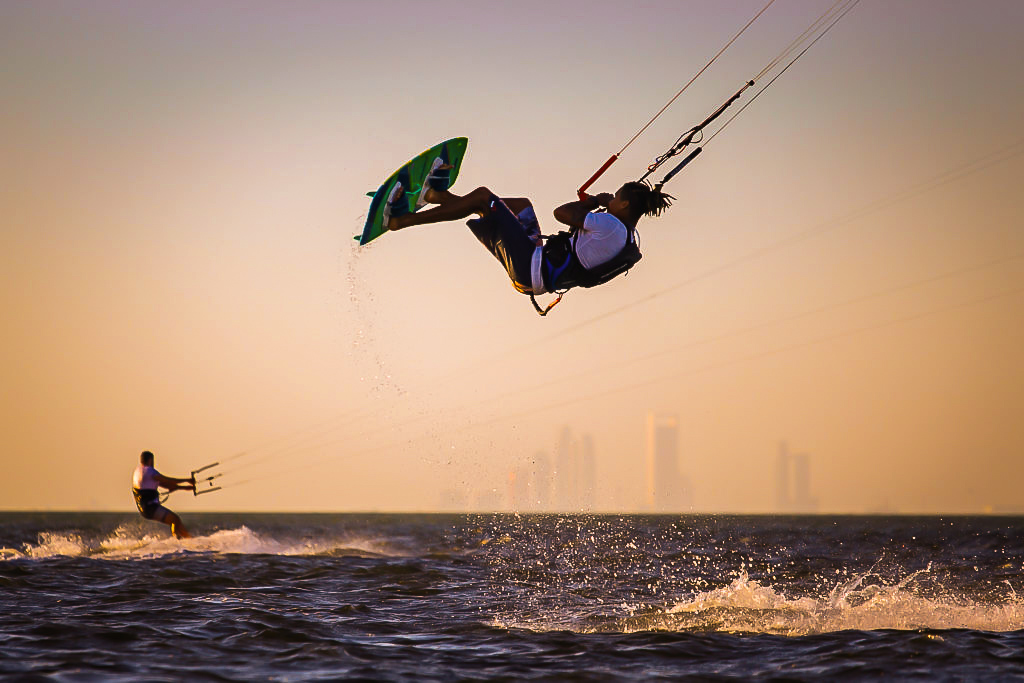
{"type": "Point", "coordinates": [397, 204]}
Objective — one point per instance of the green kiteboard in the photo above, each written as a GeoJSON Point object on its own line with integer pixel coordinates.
{"type": "Point", "coordinates": [413, 174]}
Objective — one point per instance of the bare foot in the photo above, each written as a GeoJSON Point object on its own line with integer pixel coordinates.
{"type": "Point", "coordinates": [432, 196]}
{"type": "Point", "coordinates": [399, 195]}
{"type": "Point", "coordinates": [429, 195]}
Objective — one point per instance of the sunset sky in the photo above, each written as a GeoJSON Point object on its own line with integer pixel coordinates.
{"type": "Point", "coordinates": [843, 268]}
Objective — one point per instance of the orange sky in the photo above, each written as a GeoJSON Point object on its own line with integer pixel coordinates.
{"type": "Point", "coordinates": [843, 268]}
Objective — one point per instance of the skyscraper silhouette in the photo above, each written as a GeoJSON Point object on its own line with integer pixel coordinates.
{"type": "Point", "coordinates": [565, 471]}
{"type": "Point", "coordinates": [783, 499]}
{"type": "Point", "coordinates": [793, 482]}
{"type": "Point", "coordinates": [666, 489]}
{"type": "Point", "coordinates": [588, 473]}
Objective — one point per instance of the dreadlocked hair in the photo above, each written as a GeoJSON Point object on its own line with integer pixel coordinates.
{"type": "Point", "coordinates": [645, 200]}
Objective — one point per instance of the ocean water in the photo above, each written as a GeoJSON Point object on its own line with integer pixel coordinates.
{"type": "Point", "coordinates": [508, 597]}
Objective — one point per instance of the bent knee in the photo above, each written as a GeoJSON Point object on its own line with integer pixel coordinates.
{"type": "Point", "coordinates": [518, 205]}
{"type": "Point", "coordinates": [482, 194]}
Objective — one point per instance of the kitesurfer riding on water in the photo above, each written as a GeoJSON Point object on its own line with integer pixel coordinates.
{"type": "Point", "coordinates": [596, 247]}
{"type": "Point", "coordinates": [145, 481]}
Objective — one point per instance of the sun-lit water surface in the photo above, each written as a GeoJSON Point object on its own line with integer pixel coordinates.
{"type": "Point", "coordinates": [503, 596]}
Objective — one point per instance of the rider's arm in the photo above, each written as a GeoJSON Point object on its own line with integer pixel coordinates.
{"type": "Point", "coordinates": [173, 484]}
{"type": "Point", "coordinates": [574, 213]}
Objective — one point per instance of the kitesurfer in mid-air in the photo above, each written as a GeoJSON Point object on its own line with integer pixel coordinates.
{"type": "Point", "coordinates": [145, 481]}
{"type": "Point", "coordinates": [596, 247]}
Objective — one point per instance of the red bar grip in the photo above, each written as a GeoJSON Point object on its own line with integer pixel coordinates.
{"type": "Point", "coordinates": [582, 192]}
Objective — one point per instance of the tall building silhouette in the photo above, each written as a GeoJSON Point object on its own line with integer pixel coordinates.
{"type": "Point", "coordinates": [574, 479]}
{"type": "Point", "coordinates": [518, 491]}
{"type": "Point", "coordinates": [529, 485]}
{"type": "Point", "coordinates": [542, 484]}
{"type": "Point", "coordinates": [587, 473]}
{"type": "Point", "coordinates": [793, 482]}
{"type": "Point", "coordinates": [665, 489]}
{"type": "Point", "coordinates": [802, 500]}
{"type": "Point", "coordinates": [783, 498]}
{"type": "Point", "coordinates": [565, 471]}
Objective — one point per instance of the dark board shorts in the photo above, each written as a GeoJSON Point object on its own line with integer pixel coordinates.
{"type": "Point", "coordinates": [505, 236]}
{"type": "Point", "coordinates": [148, 502]}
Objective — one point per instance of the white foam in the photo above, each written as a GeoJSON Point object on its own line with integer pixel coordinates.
{"type": "Point", "coordinates": [244, 540]}
{"type": "Point", "coordinates": [54, 544]}
{"type": "Point", "coordinates": [746, 606]}
{"type": "Point", "coordinates": [128, 542]}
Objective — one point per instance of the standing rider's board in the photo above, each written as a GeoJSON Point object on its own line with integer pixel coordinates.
{"type": "Point", "coordinates": [413, 177]}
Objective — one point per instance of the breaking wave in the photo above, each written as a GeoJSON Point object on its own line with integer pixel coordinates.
{"type": "Point", "coordinates": [746, 606]}
{"type": "Point", "coordinates": [128, 542]}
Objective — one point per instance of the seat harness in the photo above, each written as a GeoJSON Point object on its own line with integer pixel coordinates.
{"type": "Point", "coordinates": [563, 269]}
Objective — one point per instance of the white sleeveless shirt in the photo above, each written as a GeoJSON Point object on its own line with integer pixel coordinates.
{"type": "Point", "coordinates": [603, 236]}
{"type": "Point", "coordinates": [145, 477]}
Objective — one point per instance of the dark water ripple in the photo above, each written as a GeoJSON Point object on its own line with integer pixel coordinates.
{"type": "Point", "coordinates": [379, 597]}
